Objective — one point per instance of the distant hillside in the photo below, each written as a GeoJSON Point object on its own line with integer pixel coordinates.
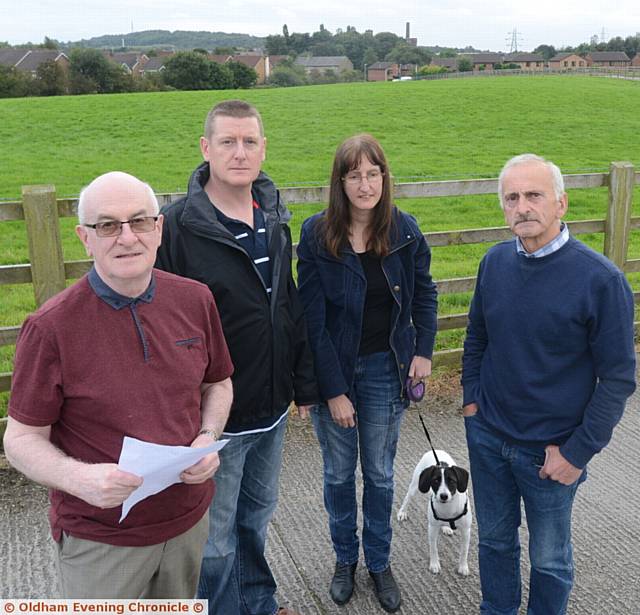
{"type": "Point", "coordinates": [180, 39]}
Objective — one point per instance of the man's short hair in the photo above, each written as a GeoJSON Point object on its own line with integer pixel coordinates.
{"type": "Point", "coordinates": [82, 199]}
{"type": "Point", "coordinates": [231, 108]}
{"type": "Point", "coordinates": [556, 174]}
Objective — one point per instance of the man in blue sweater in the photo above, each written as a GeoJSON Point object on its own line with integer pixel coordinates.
{"type": "Point", "coordinates": [548, 365]}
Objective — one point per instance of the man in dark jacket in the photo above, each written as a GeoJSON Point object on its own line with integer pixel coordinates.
{"type": "Point", "coordinates": [230, 232]}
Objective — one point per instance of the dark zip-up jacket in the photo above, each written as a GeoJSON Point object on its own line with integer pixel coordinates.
{"type": "Point", "coordinates": [333, 291]}
{"type": "Point", "coordinates": [266, 337]}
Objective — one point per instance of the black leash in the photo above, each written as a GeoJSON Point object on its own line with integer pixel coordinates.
{"type": "Point", "coordinates": [426, 432]}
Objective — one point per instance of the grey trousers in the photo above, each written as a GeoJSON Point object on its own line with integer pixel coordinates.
{"type": "Point", "coordinates": [88, 569]}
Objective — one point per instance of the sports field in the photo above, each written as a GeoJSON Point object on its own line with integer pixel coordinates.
{"type": "Point", "coordinates": [444, 129]}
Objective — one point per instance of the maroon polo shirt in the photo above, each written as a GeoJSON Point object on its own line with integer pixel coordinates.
{"type": "Point", "coordinates": [97, 367]}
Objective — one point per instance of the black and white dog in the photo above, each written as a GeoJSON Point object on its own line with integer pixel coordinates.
{"type": "Point", "coordinates": [449, 507]}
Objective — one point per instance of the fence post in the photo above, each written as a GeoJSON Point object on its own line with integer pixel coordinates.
{"type": "Point", "coordinates": [45, 246]}
{"type": "Point", "coordinates": [616, 230]}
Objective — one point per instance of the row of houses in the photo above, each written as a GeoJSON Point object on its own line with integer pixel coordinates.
{"type": "Point", "coordinates": [534, 61]}
{"type": "Point", "coordinates": [139, 64]}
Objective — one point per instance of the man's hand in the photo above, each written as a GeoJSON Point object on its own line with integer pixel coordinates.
{"type": "Point", "coordinates": [557, 468]}
{"type": "Point", "coordinates": [103, 484]}
{"type": "Point", "coordinates": [342, 411]}
{"type": "Point", "coordinates": [470, 409]}
{"type": "Point", "coordinates": [205, 468]}
{"type": "Point", "coordinates": [303, 411]}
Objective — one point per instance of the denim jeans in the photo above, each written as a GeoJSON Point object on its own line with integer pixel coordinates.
{"type": "Point", "coordinates": [379, 410]}
{"type": "Point", "coordinates": [503, 474]}
{"type": "Point", "coordinates": [235, 576]}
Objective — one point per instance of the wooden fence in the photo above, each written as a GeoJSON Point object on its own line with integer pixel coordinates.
{"type": "Point", "coordinates": [48, 271]}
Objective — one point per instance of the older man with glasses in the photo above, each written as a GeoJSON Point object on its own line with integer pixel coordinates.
{"type": "Point", "coordinates": [126, 351]}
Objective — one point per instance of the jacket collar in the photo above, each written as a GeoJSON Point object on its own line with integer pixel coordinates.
{"type": "Point", "coordinates": [199, 214]}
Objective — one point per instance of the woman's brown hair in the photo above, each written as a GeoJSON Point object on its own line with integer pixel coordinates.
{"type": "Point", "coordinates": [336, 221]}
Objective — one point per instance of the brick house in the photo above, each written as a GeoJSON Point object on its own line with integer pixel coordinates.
{"type": "Point", "coordinates": [451, 64]}
{"type": "Point", "coordinates": [154, 64]}
{"type": "Point", "coordinates": [28, 60]}
{"type": "Point", "coordinates": [486, 60]}
{"type": "Point", "coordinates": [324, 63]}
{"type": "Point", "coordinates": [383, 71]}
{"type": "Point", "coordinates": [258, 63]}
{"type": "Point", "coordinates": [636, 60]}
{"type": "Point", "coordinates": [608, 58]}
{"type": "Point", "coordinates": [525, 61]}
{"type": "Point", "coordinates": [567, 61]}
{"type": "Point", "coordinates": [131, 61]}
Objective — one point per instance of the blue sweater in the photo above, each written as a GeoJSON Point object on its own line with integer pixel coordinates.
{"type": "Point", "coordinates": [549, 355]}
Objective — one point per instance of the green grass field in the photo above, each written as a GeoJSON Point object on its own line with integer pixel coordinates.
{"type": "Point", "coordinates": [429, 129]}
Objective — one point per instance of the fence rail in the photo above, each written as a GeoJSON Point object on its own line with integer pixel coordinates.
{"type": "Point", "coordinates": [48, 271]}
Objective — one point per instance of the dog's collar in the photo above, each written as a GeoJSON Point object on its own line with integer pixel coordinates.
{"type": "Point", "coordinates": [452, 520]}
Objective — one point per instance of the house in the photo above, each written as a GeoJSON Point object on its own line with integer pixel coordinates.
{"type": "Point", "coordinates": [132, 62]}
{"type": "Point", "coordinates": [219, 58]}
{"type": "Point", "coordinates": [10, 57]}
{"type": "Point", "coordinates": [323, 64]}
{"type": "Point", "coordinates": [257, 62]}
{"type": "Point", "coordinates": [525, 61]}
{"type": "Point", "coordinates": [271, 62]}
{"type": "Point", "coordinates": [636, 60]}
{"type": "Point", "coordinates": [567, 61]}
{"type": "Point", "coordinates": [383, 71]}
{"type": "Point", "coordinates": [154, 64]}
{"type": "Point", "coordinates": [36, 57]}
{"type": "Point", "coordinates": [484, 61]}
{"type": "Point", "coordinates": [608, 58]}
{"type": "Point", "coordinates": [451, 64]}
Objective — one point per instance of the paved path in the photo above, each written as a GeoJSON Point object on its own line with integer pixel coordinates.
{"type": "Point", "coordinates": [606, 534]}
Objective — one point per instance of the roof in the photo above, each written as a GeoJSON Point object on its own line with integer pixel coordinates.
{"type": "Point", "coordinates": [275, 60]}
{"type": "Point", "coordinates": [10, 57]}
{"type": "Point", "coordinates": [248, 60]}
{"type": "Point", "coordinates": [382, 65]}
{"type": "Point", "coordinates": [485, 58]}
{"type": "Point", "coordinates": [220, 58]}
{"type": "Point", "coordinates": [609, 56]}
{"type": "Point", "coordinates": [128, 58]}
{"type": "Point", "coordinates": [523, 57]}
{"type": "Point", "coordinates": [562, 56]}
{"type": "Point", "coordinates": [446, 62]}
{"type": "Point", "coordinates": [35, 57]}
{"type": "Point", "coordinates": [155, 63]}
{"type": "Point", "coordinates": [321, 61]}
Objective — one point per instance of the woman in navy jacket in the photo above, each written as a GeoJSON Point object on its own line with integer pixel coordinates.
{"type": "Point", "coordinates": [370, 304]}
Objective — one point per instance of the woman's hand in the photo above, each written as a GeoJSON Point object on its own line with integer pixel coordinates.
{"type": "Point", "coordinates": [342, 411]}
{"type": "Point", "coordinates": [420, 368]}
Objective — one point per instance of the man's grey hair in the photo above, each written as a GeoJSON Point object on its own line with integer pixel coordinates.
{"type": "Point", "coordinates": [556, 174]}
{"type": "Point", "coordinates": [231, 108]}
{"type": "Point", "coordinates": [82, 199]}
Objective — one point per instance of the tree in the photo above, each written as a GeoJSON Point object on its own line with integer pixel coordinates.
{"type": "Point", "coordinates": [243, 76]}
{"type": "Point", "coordinates": [201, 51]}
{"type": "Point", "coordinates": [276, 45]}
{"type": "Point", "coordinates": [49, 43]}
{"type": "Point", "coordinates": [546, 51]}
{"type": "Point", "coordinates": [13, 83]}
{"type": "Point", "coordinates": [464, 65]}
{"type": "Point", "coordinates": [90, 71]}
{"type": "Point", "coordinates": [51, 79]}
{"type": "Point", "coordinates": [220, 77]}
{"type": "Point", "coordinates": [370, 56]}
{"type": "Point", "coordinates": [385, 42]}
{"type": "Point", "coordinates": [287, 74]}
{"type": "Point", "coordinates": [187, 70]}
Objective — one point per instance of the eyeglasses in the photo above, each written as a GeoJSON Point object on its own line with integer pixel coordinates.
{"type": "Point", "coordinates": [113, 228]}
{"type": "Point", "coordinates": [355, 178]}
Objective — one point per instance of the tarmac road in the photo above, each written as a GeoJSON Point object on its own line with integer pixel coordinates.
{"type": "Point", "coordinates": [606, 534]}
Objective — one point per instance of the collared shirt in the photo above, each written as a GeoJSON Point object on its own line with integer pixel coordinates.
{"type": "Point", "coordinates": [553, 246]}
{"type": "Point", "coordinates": [118, 301]}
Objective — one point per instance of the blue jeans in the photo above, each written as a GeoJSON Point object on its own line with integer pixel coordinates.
{"type": "Point", "coordinates": [379, 410]}
{"type": "Point", "coordinates": [235, 576]}
{"type": "Point", "coordinates": [503, 474]}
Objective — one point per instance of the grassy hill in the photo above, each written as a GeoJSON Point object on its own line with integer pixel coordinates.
{"type": "Point", "coordinates": [429, 129]}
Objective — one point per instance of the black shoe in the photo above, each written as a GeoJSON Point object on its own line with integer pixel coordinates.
{"type": "Point", "coordinates": [387, 590]}
{"type": "Point", "coordinates": [342, 583]}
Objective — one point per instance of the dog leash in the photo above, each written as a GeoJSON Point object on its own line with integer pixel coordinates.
{"type": "Point", "coordinates": [426, 432]}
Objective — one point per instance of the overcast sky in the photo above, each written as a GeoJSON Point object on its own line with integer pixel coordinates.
{"type": "Point", "coordinates": [485, 24]}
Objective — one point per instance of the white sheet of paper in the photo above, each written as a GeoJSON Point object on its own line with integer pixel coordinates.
{"type": "Point", "coordinates": [158, 464]}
